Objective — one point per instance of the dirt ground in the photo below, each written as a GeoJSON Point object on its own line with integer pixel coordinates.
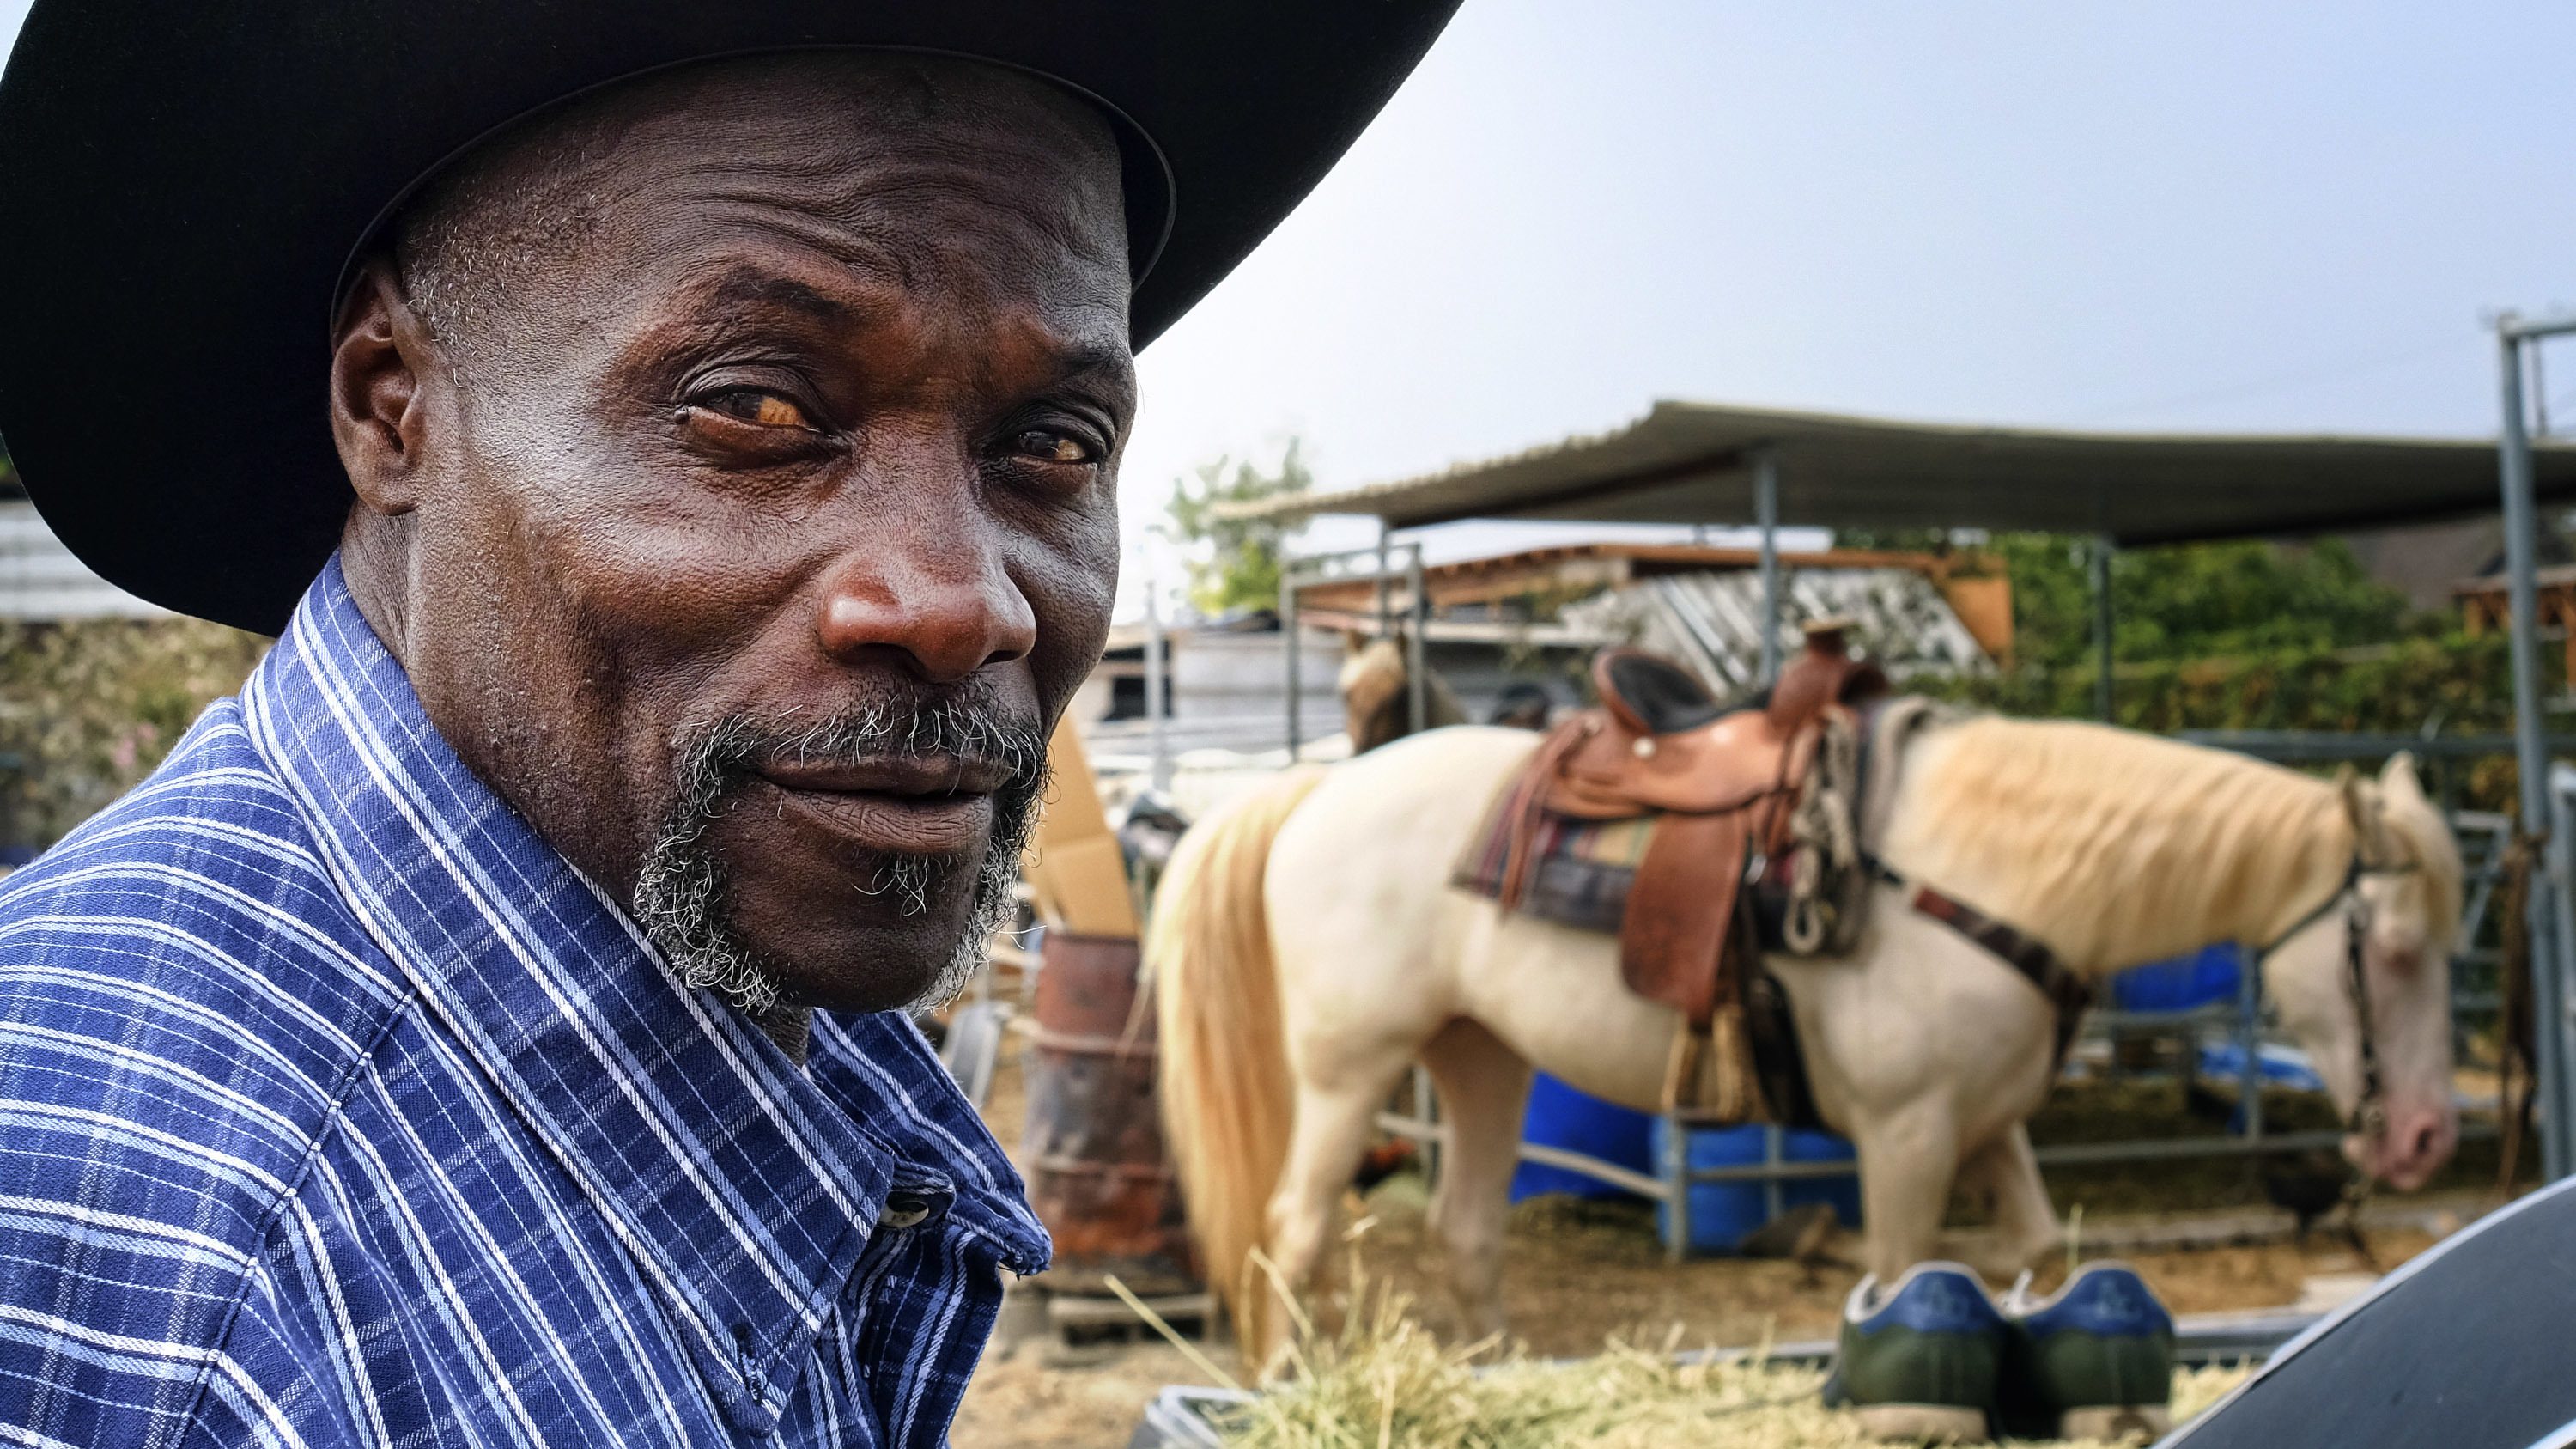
{"type": "Point", "coordinates": [1577, 1273]}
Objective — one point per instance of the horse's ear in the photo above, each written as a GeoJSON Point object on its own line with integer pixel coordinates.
{"type": "Point", "coordinates": [2398, 778]}
{"type": "Point", "coordinates": [2371, 835]}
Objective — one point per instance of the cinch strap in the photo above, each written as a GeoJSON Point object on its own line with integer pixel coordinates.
{"type": "Point", "coordinates": [2066, 993]}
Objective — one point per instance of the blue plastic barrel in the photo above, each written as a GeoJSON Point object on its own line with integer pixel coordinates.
{"type": "Point", "coordinates": [2211, 974]}
{"type": "Point", "coordinates": [1560, 1116]}
{"type": "Point", "coordinates": [2281, 1067]}
{"type": "Point", "coordinates": [1723, 1212]}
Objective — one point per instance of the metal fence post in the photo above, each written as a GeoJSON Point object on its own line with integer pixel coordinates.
{"type": "Point", "coordinates": [2554, 1042]}
{"type": "Point", "coordinates": [1774, 1193]}
{"type": "Point", "coordinates": [1158, 744]}
{"type": "Point", "coordinates": [1676, 1165]}
{"type": "Point", "coordinates": [1385, 585]}
{"type": "Point", "coordinates": [1288, 638]}
{"type": "Point", "coordinates": [1417, 668]}
{"type": "Point", "coordinates": [2249, 1040]}
{"type": "Point", "coordinates": [1426, 1108]}
{"type": "Point", "coordinates": [2522, 590]}
{"type": "Point", "coordinates": [2102, 626]}
{"type": "Point", "coordinates": [2521, 532]}
{"type": "Point", "coordinates": [1766, 516]}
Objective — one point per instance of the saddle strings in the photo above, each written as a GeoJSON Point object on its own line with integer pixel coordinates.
{"type": "Point", "coordinates": [1823, 827]}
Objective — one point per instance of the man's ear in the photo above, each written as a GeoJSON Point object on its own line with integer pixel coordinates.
{"type": "Point", "coordinates": [388, 376]}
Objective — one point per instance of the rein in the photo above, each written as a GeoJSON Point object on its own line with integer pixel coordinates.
{"type": "Point", "coordinates": [2369, 1107]}
{"type": "Point", "coordinates": [2068, 994]}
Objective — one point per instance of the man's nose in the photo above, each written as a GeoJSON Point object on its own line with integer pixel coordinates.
{"type": "Point", "coordinates": [940, 596]}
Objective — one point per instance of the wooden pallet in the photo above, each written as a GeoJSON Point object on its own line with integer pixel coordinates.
{"type": "Point", "coordinates": [1082, 1319]}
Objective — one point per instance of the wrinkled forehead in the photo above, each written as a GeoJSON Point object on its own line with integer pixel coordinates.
{"type": "Point", "coordinates": [930, 176]}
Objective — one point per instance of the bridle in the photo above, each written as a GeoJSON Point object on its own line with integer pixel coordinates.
{"type": "Point", "coordinates": [2369, 1108]}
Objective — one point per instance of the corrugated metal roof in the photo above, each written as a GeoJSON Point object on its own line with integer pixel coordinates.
{"type": "Point", "coordinates": [41, 581]}
{"type": "Point", "coordinates": [1713, 621]}
{"type": "Point", "coordinates": [1489, 577]}
{"type": "Point", "coordinates": [1692, 463]}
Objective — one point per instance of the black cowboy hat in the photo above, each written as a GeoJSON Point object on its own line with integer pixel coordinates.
{"type": "Point", "coordinates": [187, 182]}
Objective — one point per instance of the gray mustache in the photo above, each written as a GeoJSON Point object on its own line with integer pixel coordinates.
{"type": "Point", "coordinates": [938, 734]}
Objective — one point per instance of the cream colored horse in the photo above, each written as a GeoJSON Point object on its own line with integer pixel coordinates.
{"type": "Point", "coordinates": [1307, 947]}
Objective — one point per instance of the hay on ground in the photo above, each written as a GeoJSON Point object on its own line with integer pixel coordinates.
{"type": "Point", "coordinates": [1383, 1382]}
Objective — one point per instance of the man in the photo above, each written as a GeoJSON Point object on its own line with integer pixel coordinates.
{"type": "Point", "coordinates": [488, 1028]}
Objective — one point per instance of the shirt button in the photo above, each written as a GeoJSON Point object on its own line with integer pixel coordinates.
{"type": "Point", "coordinates": [903, 1211]}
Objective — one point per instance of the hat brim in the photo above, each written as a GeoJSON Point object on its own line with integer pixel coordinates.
{"type": "Point", "coordinates": [188, 182]}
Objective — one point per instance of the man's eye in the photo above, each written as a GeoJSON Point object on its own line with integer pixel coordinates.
{"type": "Point", "coordinates": [752, 405]}
{"type": "Point", "coordinates": [1048, 445]}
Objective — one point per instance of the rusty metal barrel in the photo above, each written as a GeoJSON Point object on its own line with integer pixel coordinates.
{"type": "Point", "coordinates": [1094, 1142]}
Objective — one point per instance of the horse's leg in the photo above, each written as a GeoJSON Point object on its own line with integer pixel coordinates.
{"type": "Point", "coordinates": [1908, 1160]}
{"type": "Point", "coordinates": [1334, 1123]}
{"type": "Point", "coordinates": [2025, 1222]}
{"type": "Point", "coordinates": [1484, 1091]}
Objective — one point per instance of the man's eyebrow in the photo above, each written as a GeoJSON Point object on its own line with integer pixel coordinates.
{"type": "Point", "coordinates": [752, 286]}
{"type": "Point", "coordinates": [1102, 364]}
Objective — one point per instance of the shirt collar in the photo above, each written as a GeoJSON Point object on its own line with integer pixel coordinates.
{"type": "Point", "coordinates": [745, 1188]}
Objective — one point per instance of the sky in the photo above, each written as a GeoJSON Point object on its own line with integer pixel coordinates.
{"type": "Point", "coordinates": [2155, 214]}
{"type": "Point", "coordinates": [2274, 216]}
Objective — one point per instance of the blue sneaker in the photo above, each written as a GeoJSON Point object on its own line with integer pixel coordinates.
{"type": "Point", "coordinates": [2094, 1360]}
{"type": "Point", "coordinates": [1919, 1362]}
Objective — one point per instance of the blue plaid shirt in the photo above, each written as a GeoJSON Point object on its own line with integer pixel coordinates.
{"type": "Point", "coordinates": [336, 1108]}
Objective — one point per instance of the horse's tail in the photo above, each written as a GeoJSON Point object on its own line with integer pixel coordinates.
{"type": "Point", "coordinates": [1226, 1093]}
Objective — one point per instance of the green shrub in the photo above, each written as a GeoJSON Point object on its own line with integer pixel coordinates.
{"type": "Point", "coordinates": [88, 708]}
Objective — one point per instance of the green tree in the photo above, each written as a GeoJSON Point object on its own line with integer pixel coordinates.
{"type": "Point", "coordinates": [2194, 601]}
{"type": "Point", "coordinates": [1234, 563]}
{"type": "Point", "coordinates": [2241, 635]}
{"type": "Point", "coordinates": [2181, 602]}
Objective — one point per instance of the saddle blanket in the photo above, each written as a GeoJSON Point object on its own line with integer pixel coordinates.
{"type": "Point", "coordinates": [1580, 870]}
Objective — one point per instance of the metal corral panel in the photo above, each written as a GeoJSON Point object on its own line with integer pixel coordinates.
{"type": "Point", "coordinates": [41, 581]}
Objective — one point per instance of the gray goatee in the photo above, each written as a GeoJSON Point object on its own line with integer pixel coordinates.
{"type": "Point", "coordinates": [680, 892]}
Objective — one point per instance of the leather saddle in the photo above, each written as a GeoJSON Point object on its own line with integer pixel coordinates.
{"type": "Point", "coordinates": [1725, 782]}
{"type": "Point", "coordinates": [1659, 742]}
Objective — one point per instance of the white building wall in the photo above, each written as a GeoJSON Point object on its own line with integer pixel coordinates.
{"type": "Point", "coordinates": [1242, 679]}
{"type": "Point", "coordinates": [41, 581]}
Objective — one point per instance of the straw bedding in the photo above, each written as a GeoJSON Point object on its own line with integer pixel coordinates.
{"type": "Point", "coordinates": [1382, 1382]}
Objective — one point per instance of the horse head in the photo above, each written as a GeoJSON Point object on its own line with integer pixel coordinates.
{"type": "Point", "coordinates": [2368, 991]}
{"type": "Point", "coordinates": [1376, 692]}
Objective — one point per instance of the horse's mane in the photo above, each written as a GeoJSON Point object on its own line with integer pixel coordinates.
{"type": "Point", "coordinates": [2115, 847]}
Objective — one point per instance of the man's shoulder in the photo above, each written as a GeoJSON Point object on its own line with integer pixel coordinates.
{"type": "Point", "coordinates": [184, 995]}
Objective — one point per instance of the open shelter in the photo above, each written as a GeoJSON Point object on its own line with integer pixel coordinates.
{"type": "Point", "coordinates": [1699, 463]}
